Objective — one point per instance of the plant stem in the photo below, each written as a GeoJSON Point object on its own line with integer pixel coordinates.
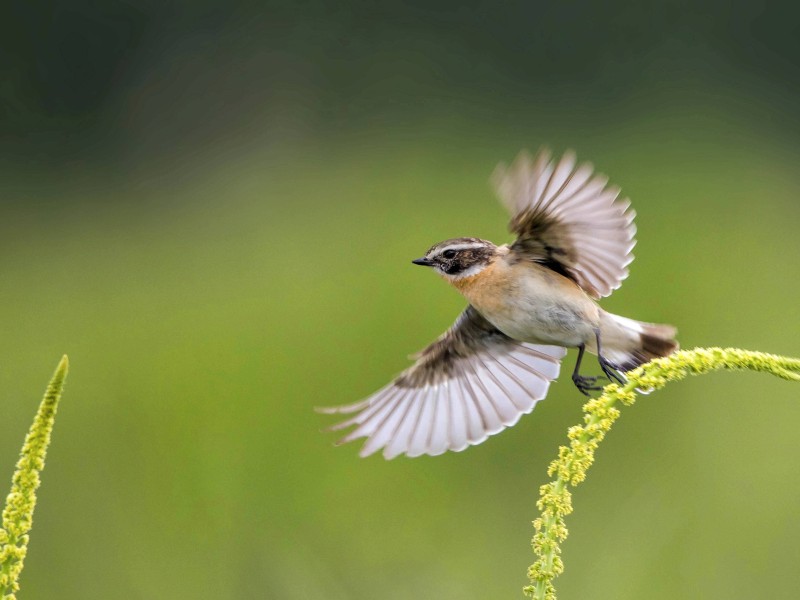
{"type": "Point", "coordinates": [569, 469]}
{"type": "Point", "coordinates": [18, 511]}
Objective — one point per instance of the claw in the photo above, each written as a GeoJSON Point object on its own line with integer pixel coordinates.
{"type": "Point", "coordinates": [586, 384]}
{"type": "Point", "coordinates": [610, 371]}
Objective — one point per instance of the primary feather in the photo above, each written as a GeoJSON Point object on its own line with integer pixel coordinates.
{"type": "Point", "coordinates": [568, 219]}
{"type": "Point", "coordinates": [470, 383]}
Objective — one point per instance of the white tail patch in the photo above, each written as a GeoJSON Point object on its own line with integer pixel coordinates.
{"type": "Point", "coordinates": [629, 344]}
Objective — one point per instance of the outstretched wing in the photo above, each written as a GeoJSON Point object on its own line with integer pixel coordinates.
{"type": "Point", "coordinates": [470, 383]}
{"type": "Point", "coordinates": [568, 219]}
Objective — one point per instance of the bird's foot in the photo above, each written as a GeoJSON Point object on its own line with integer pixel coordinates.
{"type": "Point", "coordinates": [586, 384]}
{"type": "Point", "coordinates": [610, 370]}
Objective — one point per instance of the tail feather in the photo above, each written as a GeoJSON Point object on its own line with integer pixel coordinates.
{"type": "Point", "coordinates": [628, 343]}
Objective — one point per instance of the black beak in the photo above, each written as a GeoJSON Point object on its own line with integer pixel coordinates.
{"type": "Point", "coordinates": [425, 262]}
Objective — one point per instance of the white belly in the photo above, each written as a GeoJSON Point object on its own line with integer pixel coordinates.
{"type": "Point", "coordinates": [542, 321]}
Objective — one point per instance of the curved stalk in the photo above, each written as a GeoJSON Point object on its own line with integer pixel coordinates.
{"type": "Point", "coordinates": [599, 414]}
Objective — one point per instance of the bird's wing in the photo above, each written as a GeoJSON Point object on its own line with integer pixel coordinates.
{"type": "Point", "coordinates": [567, 218]}
{"type": "Point", "coordinates": [470, 383]}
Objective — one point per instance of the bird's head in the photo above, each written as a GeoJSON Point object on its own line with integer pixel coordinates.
{"type": "Point", "coordinates": [460, 257]}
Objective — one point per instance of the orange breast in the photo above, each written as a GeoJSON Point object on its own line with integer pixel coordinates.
{"type": "Point", "coordinates": [491, 289]}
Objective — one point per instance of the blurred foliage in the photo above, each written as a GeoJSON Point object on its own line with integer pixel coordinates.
{"type": "Point", "coordinates": [211, 207]}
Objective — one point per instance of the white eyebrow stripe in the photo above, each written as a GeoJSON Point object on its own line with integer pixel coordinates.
{"type": "Point", "coordinates": [469, 246]}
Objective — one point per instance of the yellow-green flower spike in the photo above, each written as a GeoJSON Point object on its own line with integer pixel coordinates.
{"type": "Point", "coordinates": [18, 511]}
{"type": "Point", "coordinates": [569, 469]}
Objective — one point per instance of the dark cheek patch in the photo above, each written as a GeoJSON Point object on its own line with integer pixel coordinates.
{"type": "Point", "coordinates": [453, 267]}
{"type": "Point", "coordinates": [464, 260]}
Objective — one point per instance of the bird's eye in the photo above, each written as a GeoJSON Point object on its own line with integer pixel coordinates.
{"type": "Point", "coordinates": [449, 253]}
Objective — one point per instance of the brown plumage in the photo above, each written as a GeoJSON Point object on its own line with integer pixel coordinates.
{"type": "Point", "coordinates": [528, 301]}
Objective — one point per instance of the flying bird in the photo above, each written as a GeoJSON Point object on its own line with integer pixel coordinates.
{"type": "Point", "coordinates": [528, 302]}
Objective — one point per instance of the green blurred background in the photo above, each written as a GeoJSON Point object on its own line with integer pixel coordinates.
{"type": "Point", "coordinates": [211, 207]}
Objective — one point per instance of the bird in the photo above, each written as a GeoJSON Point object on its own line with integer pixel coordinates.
{"type": "Point", "coordinates": [528, 302]}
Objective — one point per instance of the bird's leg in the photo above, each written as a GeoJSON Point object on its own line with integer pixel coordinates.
{"type": "Point", "coordinates": [584, 383]}
{"type": "Point", "coordinates": [608, 368]}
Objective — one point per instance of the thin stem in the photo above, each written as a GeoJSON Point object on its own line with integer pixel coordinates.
{"type": "Point", "coordinates": [569, 469]}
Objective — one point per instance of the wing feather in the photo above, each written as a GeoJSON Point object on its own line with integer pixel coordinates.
{"type": "Point", "coordinates": [402, 437]}
{"type": "Point", "coordinates": [458, 420]}
{"type": "Point", "coordinates": [387, 428]}
{"type": "Point", "coordinates": [369, 419]}
{"type": "Point", "coordinates": [421, 434]}
{"type": "Point", "coordinates": [476, 426]}
{"type": "Point", "coordinates": [569, 219]}
{"type": "Point", "coordinates": [470, 383]}
{"type": "Point", "coordinates": [440, 431]}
